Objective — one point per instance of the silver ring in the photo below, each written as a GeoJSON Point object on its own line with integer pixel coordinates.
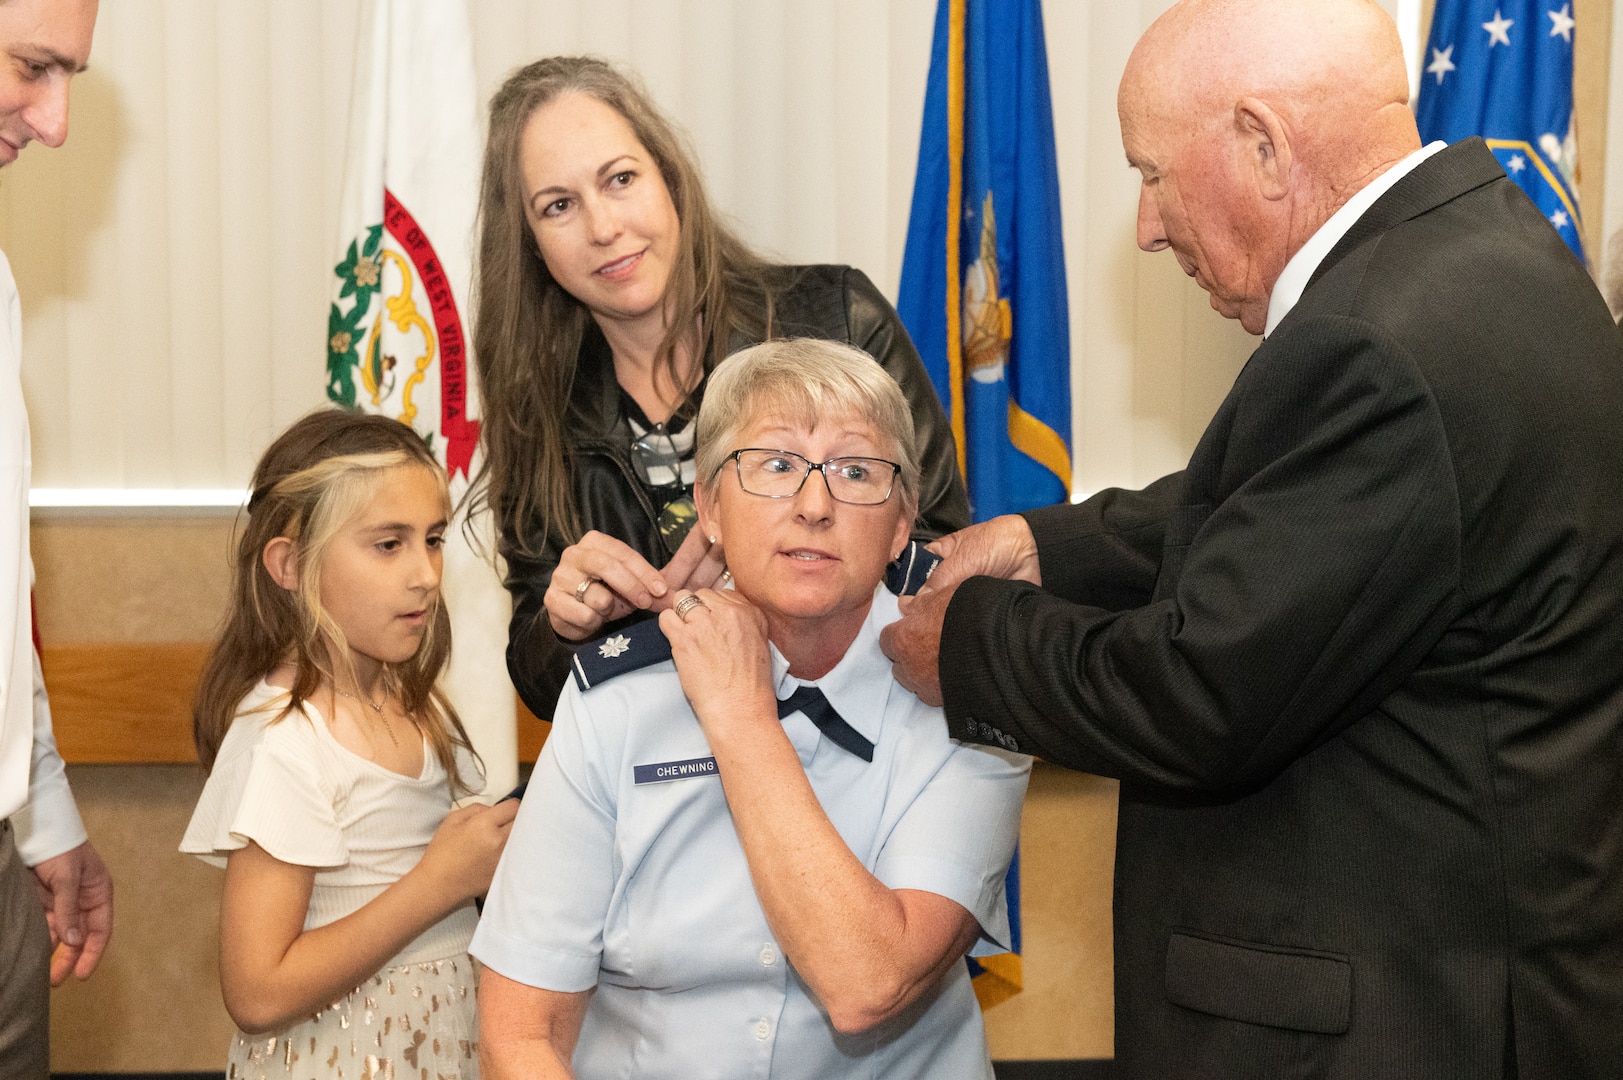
{"type": "Point", "coordinates": [687, 604]}
{"type": "Point", "coordinates": [722, 581]}
{"type": "Point", "coordinates": [580, 590]}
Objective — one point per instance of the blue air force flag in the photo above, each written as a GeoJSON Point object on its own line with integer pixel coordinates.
{"type": "Point", "coordinates": [983, 286]}
{"type": "Point", "coordinates": [1502, 69]}
{"type": "Point", "coordinates": [983, 275]}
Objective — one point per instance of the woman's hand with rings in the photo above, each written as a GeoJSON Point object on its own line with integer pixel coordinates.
{"type": "Point", "coordinates": [576, 610]}
{"type": "Point", "coordinates": [685, 604]}
{"type": "Point", "coordinates": [718, 640]}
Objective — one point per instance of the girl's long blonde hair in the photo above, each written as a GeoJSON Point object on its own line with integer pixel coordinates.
{"type": "Point", "coordinates": [311, 481]}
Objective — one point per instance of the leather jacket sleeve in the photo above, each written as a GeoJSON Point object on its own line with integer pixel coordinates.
{"type": "Point", "coordinates": [875, 328]}
{"type": "Point", "coordinates": [537, 659]}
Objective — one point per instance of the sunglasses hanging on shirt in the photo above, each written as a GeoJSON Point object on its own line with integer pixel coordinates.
{"type": "Point", "coordinates": [663, 462]}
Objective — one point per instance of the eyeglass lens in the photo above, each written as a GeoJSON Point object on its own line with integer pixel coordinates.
{"type": "Point", "coordinates": [676, 521]}
{"type": "Point", "coordinates": [779, 474]}
{"type": "Point", "coordinates": [656, 460]}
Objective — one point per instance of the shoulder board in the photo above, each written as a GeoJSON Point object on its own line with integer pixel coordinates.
{"type": "Point", "coordinates": [640, 645]}
{"type": "Point", "coordinates": [643, 644]}
{"type": "Point", "coordinates": [907, 575]}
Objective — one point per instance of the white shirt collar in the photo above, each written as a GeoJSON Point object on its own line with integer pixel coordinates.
{"type": "Point", "coordinates": [1293, 280]}
{"type": "Point", "coordinates": [852, 684]}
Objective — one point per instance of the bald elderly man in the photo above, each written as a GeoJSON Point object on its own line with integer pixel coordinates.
{"type": "Point", "coordinates": [1359, 668]}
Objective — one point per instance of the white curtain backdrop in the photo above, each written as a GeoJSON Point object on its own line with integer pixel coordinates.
{"type": "Point", "coordinates": [174, 257]}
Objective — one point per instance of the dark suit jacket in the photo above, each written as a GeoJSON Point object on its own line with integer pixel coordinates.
{"type": "Point", "coordinates": [1360, 671]}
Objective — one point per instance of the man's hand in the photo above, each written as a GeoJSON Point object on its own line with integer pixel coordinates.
{"type": "Point", "coordinates": [1002, 547]}
{"type": "Point", "coordinates": [77, 892]}
{"type": "Point", "coordinates": [914, 642]}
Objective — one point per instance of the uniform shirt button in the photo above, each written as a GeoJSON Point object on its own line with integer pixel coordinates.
{"type": "Point", "coordinates": [769, 955]}
{"type": "Point", "coordinates": [762, 1030]}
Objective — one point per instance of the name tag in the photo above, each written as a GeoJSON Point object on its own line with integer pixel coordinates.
{"type": "Point", "coordinates": [673, 770]}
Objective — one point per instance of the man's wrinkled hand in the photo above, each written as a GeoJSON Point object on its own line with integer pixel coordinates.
{"type": "Point", "coordinates": [77, 892]}
{"type": "Point", "coordinates": [914, 643]}
{"type": "Point", "coordinates": [1002, 548]}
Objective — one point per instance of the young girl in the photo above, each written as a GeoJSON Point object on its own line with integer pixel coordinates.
{"type": "Point", "coordinates": [349, 880]}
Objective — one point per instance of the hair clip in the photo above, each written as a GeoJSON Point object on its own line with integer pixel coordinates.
{"type": "Point", "coordinates": [258, 496]}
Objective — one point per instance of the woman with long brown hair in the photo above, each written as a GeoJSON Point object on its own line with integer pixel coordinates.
{"type": "Point", "coordinates": [607, 290]}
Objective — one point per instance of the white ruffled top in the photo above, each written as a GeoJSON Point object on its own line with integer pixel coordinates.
{"type": "Point", "coordinates": [291, 788]}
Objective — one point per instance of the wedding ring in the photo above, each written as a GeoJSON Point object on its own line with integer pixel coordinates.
{"type": "Point", "coordinates": [725, 579]}
{"type": "Point", "coordinates": [687, 604]}
{"type": "Point", "coordinates": [580, 590]}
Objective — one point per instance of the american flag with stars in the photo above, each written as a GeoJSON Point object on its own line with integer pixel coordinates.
{"type": "Point", "coordinates": [1502, 69]}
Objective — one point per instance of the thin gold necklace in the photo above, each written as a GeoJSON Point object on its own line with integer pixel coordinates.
{"type": "Point", "coordinates": [377, 707]}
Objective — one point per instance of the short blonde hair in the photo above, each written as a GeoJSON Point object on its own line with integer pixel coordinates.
{"type": "Point", "coordinates": [804, 379]}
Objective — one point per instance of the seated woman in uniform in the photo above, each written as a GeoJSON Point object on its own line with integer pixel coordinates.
{"type": "Point", "coordinates": [746, 849]}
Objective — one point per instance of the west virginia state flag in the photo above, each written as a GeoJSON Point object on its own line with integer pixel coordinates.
{"type": "Point", "coordinates": [983, 285]}
{"type": "Point", "coordinates": [397, 333]}
{"type": "Point", "coordinates": [1502, 69]}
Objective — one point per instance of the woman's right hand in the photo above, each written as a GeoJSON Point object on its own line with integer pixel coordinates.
{"type": "Point", "coordinates": [622, 581]}
{"type": "Point", "coordinates": [466, 847]}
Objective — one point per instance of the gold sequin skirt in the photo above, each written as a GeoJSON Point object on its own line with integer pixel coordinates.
{"type": "Point", "coordinates": [416, 1022]}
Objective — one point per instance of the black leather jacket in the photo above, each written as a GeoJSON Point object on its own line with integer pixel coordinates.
{"type": "Point", "coordinates": [832, 302]}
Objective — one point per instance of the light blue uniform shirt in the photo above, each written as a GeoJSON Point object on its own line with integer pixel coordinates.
{"type": "Point", "coordinates": [642, 889]}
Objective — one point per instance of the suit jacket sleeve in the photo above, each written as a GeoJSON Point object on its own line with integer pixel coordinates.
{"type": "Point", "coordinates": [875, 328]}
{"type": "Point", "coordinates": [1105, 552]}
{"type": "Point", "coordinates": [1312, 564]}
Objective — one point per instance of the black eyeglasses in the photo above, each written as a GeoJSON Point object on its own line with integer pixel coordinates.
{"type": "Point", "coordinates": [779, 474]}
{"type": "Point", "coordinates": [658, 465]}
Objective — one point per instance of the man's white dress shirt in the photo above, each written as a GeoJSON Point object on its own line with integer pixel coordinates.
{"type": "Point", "coordinates": [1294, 278]}
{"type": "Point", "coordinates": [33, 782]}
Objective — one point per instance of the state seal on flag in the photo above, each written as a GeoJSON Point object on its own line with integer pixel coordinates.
{"type": "Point", "coordinates": [394, 322]}
{"type": "Point", "coordinates": [359, 276]}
